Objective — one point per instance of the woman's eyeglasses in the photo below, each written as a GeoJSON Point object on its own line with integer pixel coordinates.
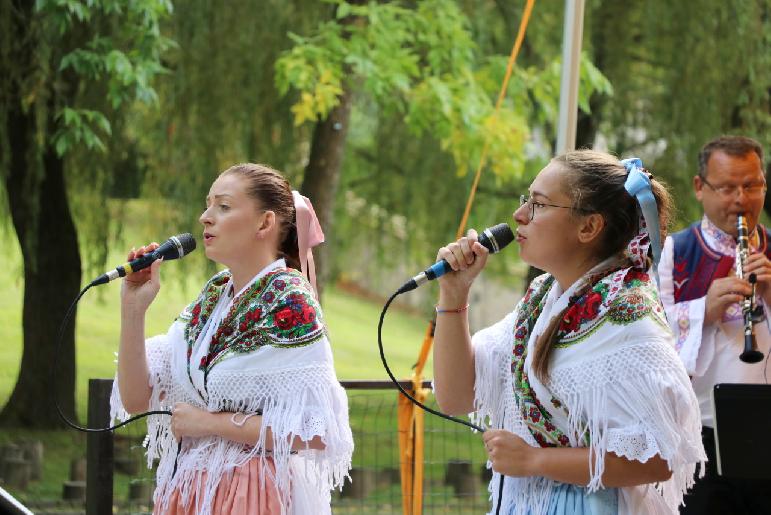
{"type": "Point", "coordinates": [524, 199]}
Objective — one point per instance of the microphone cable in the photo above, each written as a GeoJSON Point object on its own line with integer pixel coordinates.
{"type": "Point", "coordinates": [173, 248]}
{"type": "Point", "coordinates": [417, 402]}
{"type": "Point", "coordinates": [55, 376]}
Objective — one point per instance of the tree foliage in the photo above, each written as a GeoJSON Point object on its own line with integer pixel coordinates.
{"type": "Point", "coordinates": [69, 70]}
{"type": "Point", "coordinates": [424, 107]}
{"type": "Point", "coordinates": [684, 73]}
{"type": "Point", "coordinates": [219, 105]}
{"type": "Point", "coordinates": [421, 64]}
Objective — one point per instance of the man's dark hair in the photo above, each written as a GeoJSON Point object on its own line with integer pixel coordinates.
{"type": "Point", "coordinates": [731, 145]}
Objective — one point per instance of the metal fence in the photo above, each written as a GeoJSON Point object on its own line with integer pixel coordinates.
{"type": "Point", "coordinates": [455, 473]}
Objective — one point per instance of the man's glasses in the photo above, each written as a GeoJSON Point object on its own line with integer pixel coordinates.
{"type": "Point", "coordinates": [524, 199]}
{"type": "Point", "coordinates": [751, 190]}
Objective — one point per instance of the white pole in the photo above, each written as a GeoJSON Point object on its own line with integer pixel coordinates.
{"type": "Point", "coordinates": [571, 58]}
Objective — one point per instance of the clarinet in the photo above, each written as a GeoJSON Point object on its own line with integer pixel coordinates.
{"type": "Point", "coordinates": [750, 312]}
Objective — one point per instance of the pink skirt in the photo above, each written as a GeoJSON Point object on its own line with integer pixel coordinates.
{"type": "Point", "coordinates": [237, 493]}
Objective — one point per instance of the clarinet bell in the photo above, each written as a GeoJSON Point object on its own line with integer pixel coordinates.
{"type": "Point", "coordinates": [751, 353]}
{"type": "Point", "coordinates": [751, 356]}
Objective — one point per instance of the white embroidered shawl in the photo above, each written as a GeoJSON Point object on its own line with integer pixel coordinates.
{"type": "Point", "coordinates": [270, 354]}
{"type": "Point", "coordinates": [619, 387]}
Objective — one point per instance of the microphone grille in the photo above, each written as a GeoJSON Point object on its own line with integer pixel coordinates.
{"type": "Point", "coordinates": [177, 246]}
{"type": "Point", "coordinates": [495, 238]}
{"type": "Point", "coordinates": [186, 243]}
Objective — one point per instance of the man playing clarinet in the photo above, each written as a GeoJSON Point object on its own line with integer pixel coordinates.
{"type": "Point", "coordinates": [704, 290]}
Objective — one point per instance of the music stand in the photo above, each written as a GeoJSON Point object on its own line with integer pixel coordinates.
{"type": "Point", "coordinates": [742, 430]}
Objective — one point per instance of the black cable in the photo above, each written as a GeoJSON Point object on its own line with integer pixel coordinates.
{"type": "Point", "coordinates": [55, 374]}
{"type": "Point", "coordinates": [399, 386]}
{"type": "Point", "coordinates": [413, 399]}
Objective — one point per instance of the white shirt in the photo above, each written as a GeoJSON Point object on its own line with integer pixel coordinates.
{"type": "Point", "coordinates": [710, 352]}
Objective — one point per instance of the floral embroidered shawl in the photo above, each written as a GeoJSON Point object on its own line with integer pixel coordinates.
{"type": "Point", "coordinates": [615, 385]}
{"type": "Point", "coordinates": [267, 352]}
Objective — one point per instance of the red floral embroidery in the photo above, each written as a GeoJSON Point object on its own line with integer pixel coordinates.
{"type": "Point", "coordinates": [634, 273]}
{"type": "Point", "coordinates": [285, 318]}
{"type": "Point", "coordinates": [258, 316]}
{"type": "Point", "coordinates": [535, 415]}
{"type": "Point", "coordinates": [308, 315]}
{"type": "Point", "coordinates": [584, 309]}
{"type": "Point", "coordinates": [592, 305]}
{"type": "Point", "coordinates": [572, 319]}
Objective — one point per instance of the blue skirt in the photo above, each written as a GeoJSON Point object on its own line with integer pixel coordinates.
{"type": "Point", "coordinates": [575, 500]}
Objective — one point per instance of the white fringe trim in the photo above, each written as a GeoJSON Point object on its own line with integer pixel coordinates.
{"type": "Point", "coordinates": [312, 404]}
{"type": "Point", "coordinates": [657, 398]}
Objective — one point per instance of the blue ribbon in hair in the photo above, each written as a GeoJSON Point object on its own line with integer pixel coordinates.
{"type": "Point", "coordinates": [638, 184]}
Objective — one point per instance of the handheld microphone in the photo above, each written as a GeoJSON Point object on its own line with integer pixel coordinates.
{"type": "Point", "coordinates": [493, 239]}
{"type": "Point", "coordinates": [175, 247]}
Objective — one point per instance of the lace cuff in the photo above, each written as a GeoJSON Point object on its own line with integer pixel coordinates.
{"type": "Point", "coordinates": [633, 443]}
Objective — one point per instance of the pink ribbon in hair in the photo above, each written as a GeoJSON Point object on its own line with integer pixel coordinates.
{"type": "Point", "coordinates": [309, 234]}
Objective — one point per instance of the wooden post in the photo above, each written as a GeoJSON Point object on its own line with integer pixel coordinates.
{"type": "Point", "coordinates": [99, 449]}
{"type": "Point", "coordinates": [33, 452]}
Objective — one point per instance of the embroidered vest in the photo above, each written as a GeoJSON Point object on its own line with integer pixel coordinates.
{"type": "Point", "coordinates": [696, 265]}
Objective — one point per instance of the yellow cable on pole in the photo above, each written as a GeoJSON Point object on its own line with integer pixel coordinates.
{"type": "Point", "coordinates": [410, 417]}
{"type": "Point", "coordinates": [501, 96]}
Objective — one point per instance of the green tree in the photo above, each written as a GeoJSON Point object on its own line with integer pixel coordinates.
{"type": "Point", "coordinates": [419, 65]}
{"type": "Point", "coordinates": [683, 73]}
{"type": "Point", "coordinates": [219, 106]}
{"type": "Point", "coordinates": [69, 70]}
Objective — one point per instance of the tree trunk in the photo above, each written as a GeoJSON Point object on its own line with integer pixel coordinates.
{"type": "Point", "coordinates": [322, 177]}
{"type": "Point", "coordinates": [52, 273]}
{"type": "Point", "coordinates": [51, 282]}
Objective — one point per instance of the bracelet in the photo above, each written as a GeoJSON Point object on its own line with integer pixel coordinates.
{"type": "Point", "coordinates": [243, 420]}
{"type": "Point", "coordinates": [456, 310]}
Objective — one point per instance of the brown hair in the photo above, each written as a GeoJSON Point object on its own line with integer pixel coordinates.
{"type": "Point", "coordinates": [737, 146]}
{"type": "Point", "coordinates": [595, 182]}
{"type": "Point", "coordinates": [272, 191]}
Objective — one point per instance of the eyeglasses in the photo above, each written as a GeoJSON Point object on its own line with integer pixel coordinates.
{"type": "Point", "coordinates": [751, 190]}
{"type": "Point", "coordinates": [524, 199]}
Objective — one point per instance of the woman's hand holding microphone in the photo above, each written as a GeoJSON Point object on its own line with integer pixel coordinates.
{"type": "Point", "coordinates": [140, 288]}
{"type": "Point", "coordinates": [467, 257]}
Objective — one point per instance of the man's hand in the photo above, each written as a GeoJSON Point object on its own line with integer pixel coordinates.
{"type": "Point", "coordinates": [721, 294]}
{"type": "Point", "coordinates": [759, 265]}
